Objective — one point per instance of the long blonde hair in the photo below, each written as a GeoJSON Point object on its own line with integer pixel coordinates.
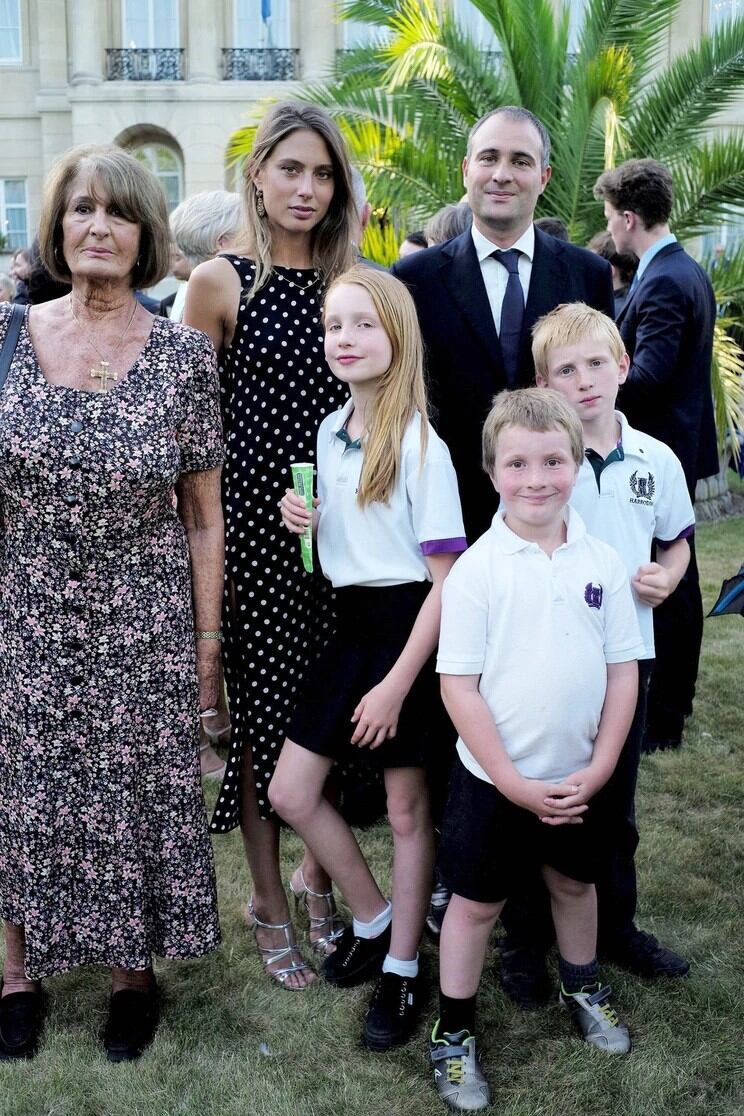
{"type": "Point", "coordinates": [401, 389]}
{"type": "Point", "coordinates": [331, 239]}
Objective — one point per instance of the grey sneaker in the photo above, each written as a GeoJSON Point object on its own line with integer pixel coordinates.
{"type": "Point", "coordinates": [457, 1071]}
{"type": "Point", "coordinates": [597, 1020]}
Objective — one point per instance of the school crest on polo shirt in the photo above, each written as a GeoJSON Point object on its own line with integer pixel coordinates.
{"type": "Point", "coordinates": [593, 595]}
{"type": "Point", "coordinates": [643, 488]}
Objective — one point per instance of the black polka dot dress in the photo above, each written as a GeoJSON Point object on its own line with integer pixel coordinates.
{"type": "Point", "coordinates": [276, 388]}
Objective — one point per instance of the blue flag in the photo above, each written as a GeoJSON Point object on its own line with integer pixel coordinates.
{"type": "Point", "coordinates": [265, 10]}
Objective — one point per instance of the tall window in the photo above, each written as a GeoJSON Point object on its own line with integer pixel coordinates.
{"type": "Point", "coordinates": [10, 31]}
{"type": "Point", "coordinates": [476, 25]}
{"type": "Point", "coordinates": [13, 213]}
{"type": "Point", "coordinates": [150, 23]}
{"type": "Point", "coordinates": [723, 10]}
{"type": "Point", "coordinates": [166, 166]}
{"type": "Point", "coordinates": [263, 23]}
{"type": "Point", "coordinates": [358, 34]}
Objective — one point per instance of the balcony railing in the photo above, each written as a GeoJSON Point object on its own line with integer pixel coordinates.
{"type": "Point", "coordinates": [260, 64]}
{"type": "Point", "coordinates": [145, 64]}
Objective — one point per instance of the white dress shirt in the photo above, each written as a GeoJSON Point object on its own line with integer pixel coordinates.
{"type": "Point", "coordinates": [495, 275]}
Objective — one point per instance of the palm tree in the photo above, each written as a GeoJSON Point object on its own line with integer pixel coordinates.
{"type": "Point", "coordinates": [407, 102]}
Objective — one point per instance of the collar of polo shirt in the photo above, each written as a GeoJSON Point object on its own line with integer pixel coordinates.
{"type": "Point", "coordinates": [510, 543]}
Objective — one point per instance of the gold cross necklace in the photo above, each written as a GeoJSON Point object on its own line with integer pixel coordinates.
{"type": "Point", "coordinates": [102, 373]}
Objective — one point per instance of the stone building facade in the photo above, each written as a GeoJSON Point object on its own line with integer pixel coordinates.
{"type": "Point", "coordinates": [172, 79]}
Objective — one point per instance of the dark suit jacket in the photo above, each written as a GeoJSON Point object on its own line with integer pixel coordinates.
{"type": "Point", "coordinates": [166, 304]}
{"type": "Point", "coordinates": [463, 356]}
{"type": "Point", "coordinates": [667, 326]}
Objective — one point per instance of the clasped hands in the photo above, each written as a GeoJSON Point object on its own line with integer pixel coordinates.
{"type": "Point", "coordinates": [556, 803]}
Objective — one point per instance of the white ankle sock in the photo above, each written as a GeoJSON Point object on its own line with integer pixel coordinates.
{"type": "Point", "coordinates": [400, 968]}
{"type": "Point", "coordinates": [374, 928]}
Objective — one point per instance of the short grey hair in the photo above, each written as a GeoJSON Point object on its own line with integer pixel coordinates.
{"type": "Point", "coordinates": [358, 190]}
{"type": "Point", "coordinates": [7, 284]}
{"type": "Point", "coordinates": [199, 222]}
{"type": "Point", "coordinates": [516, 112]}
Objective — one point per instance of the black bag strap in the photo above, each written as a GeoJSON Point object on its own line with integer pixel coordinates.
{"type": "Point", "coordinates": [10, 341]}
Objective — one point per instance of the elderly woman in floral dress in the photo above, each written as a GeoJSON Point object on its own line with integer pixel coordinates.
{"type": "Point", "coordinates": [109, 612]}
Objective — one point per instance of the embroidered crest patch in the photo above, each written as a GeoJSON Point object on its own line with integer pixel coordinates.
{"type": "Point", "coordinates": [593, 595]}
{"type": "Point", "coordinates": [643, 488]}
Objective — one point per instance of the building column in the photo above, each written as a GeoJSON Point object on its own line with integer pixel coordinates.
{"type": "Point", "coordinates": [204, 33]}
{"type": "Point", "coordinates": [87, 41]}
{"type": "Point", "coordinates": [317, 38]}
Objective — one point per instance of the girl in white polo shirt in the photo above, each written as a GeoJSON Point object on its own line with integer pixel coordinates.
{"type": "Point", "coordinates": [389, 528]}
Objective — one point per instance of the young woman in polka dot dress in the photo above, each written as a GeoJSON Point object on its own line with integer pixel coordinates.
{"type": "Point", "coordinates": [262, 312]}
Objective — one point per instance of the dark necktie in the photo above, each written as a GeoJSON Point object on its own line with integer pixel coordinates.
{"type": "Point", "coordinates": [512, 315]}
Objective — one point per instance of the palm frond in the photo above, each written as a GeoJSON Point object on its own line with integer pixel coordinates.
{"type": "Point", "coordinates": [382, 239]}
{"type": "Point", "coordinates": [727, 276]}
{"type": "Point", "coordinates": [622, 23]}
{"type": "Point", "coordinates": [599, 92]}
{"type": "Point", "coordinates": [533, 40]}
{"type": "Point", "coordinates": [368, 11]}
{"type": "Point", "coordinates": [708, 185]}
{"type": "Point", "coordinates": [677, 108]}
{"type": "Point", "coordinates": [727, 379]}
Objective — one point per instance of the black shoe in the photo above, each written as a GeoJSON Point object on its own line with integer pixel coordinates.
{"type": "Point", "coordinates": [660, 744]}
{"type": "Point", "coordinates": [524, 977]}
{"type": "Point", "coordinates": [21, 1022]}
{"type": "Point", "coordinates": [641, 954]}
{"type": "Point", "coordinates": [392, 1014]}
{"type": "Point", "coordinates": [355, 959]}
{"type": "Point", "coordinates": [131, 1024]}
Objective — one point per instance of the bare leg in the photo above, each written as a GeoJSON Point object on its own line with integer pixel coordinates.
{"type": "Point", "coordinates": [574, 906]}
{"type": "Point", "coordinates": [413, 857]}
{"type": "Point", "coordinates": [261, 842]}
{"type": "Point", "coordinates": [466, 929]}
{"type": "Point", "coordinates": [131, 980]}
{"type": "Point", "coordinates": [296, 793]}
{"type": "Point", "coordinates": [14, 972]}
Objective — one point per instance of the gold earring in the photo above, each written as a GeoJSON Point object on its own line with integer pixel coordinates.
{"type": "Point", "coordinates": [260, 207]}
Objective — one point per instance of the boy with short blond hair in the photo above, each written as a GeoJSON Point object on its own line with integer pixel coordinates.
{"type": "Point", "coordinates": [631, 493]}
{"type": "Point", "coordinates": [537, 653]}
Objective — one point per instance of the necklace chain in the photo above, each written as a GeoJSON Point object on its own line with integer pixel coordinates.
{"type": "Point", "coordinates": [91, 342]}
{"type": "Point", "coordinates": [313, 281]}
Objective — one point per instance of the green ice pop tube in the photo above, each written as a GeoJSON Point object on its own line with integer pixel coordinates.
{"type": "Point", "coordinates": [302, 482]}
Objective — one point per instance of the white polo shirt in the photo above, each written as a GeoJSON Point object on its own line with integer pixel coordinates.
{"type": "Point", "coordinates": [641, 497]}
{"type": "Point", "coordinates": [539, 631]}
{"type": "Point", "coordinates": [385, 544]}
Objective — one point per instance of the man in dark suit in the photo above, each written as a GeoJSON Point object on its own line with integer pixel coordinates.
{"type": "Point", "coordinates": [479, 295]}
{"type": "Point", "coordinates": [667, 325]}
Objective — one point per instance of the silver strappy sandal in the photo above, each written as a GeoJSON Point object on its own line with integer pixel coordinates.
{"type": "Point", "coordinates": [330, 924]}
{"type": "Point", "coordinates": [272, 954]}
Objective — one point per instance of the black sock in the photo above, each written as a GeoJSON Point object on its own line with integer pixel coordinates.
{"type": "Point", "coordinates": [576, 977]}
{"type": "Point", "coordinates": [456, 1015]}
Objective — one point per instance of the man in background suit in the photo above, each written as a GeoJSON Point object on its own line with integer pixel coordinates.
{"type": "Point", "coordinates": [667, 325]}
{"type": "Point", "coordinates": [479, 295]}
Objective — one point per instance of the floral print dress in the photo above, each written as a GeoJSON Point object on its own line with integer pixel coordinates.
{"type": "Point", "coordinates": [105, 856]}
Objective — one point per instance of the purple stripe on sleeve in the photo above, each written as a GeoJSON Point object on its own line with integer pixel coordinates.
{"type": "Point", "coordinates": [686, 534]}
{"type": "Point", "coordinates": [444, 546]}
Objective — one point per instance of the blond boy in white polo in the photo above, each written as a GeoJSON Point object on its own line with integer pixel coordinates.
{"type": "Point", "coordinates": [537, 654]}
{"type": "Point", "coordinates": [631, 493]}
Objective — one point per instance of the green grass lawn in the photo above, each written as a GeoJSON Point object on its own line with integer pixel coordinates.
{"type": "Point", "coordinates": [231, 1044]}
